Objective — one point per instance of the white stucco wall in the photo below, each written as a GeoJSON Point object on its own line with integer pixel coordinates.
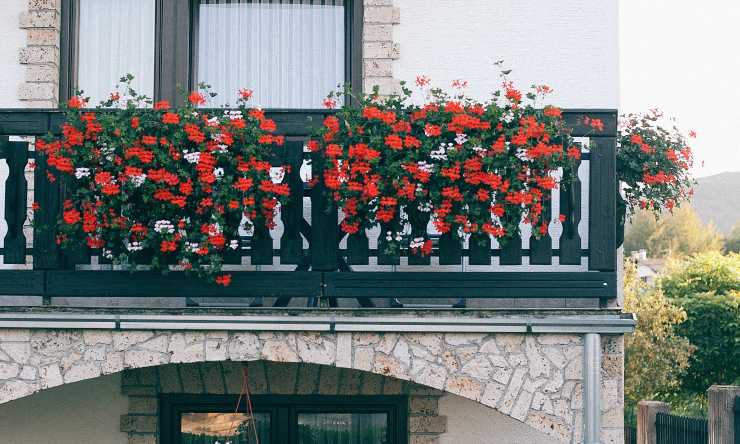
{"type": "Point", "coordinates": [471, 422]}
{"type": "Point", "coordinates": [86, 412]}
{"type": "Point", "coordinates": [570, 45]}
{"type": "Point", "coordinates": [12, 38]}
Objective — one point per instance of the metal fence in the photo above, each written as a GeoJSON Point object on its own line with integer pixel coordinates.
{"type": "Point", "coordinates": [673, 429]}
{"type": "Point", "coordinates": [630, 435]}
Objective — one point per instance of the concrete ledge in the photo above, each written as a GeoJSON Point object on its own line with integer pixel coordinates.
{"type": "Point", "coordinates": [346, 321]}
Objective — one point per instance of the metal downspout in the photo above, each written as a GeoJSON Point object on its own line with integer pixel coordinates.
{"type": "Point", "coordinates": [592, 388]}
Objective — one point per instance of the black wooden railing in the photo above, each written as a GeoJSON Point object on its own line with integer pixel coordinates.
{"type": "Point", "coordinates": [324, 267]}
{"type": "Point", "coordinates": [673, 429]}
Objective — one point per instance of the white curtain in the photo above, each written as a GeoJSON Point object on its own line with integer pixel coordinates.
{"type": "Point", "coordinates": [291, 54]}
{"type": "Point", "coordinates": [116, 37]}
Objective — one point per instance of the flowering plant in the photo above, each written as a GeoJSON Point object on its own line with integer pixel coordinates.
{"type": "Point", "coordinates": [163, 186]}
{"type": "Point", "coordinates": [472, 168]}
{"type": "Point", "coordinates": [653, 163]}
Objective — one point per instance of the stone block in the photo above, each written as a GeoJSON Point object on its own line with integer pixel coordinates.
{"type": "Point", "coordinates": [427, 424]}
{"type": "Point", "coordinates": [139, 423]}
{"type": "Point", "coordinates": [144, 405]}
{"type": "Point", "coordinates": [40, 19]}
{"type": "Point", "coordinates": [424, 405]}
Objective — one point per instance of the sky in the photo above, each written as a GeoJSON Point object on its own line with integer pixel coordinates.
{"type": "Point", "coordinates": [683, 57]}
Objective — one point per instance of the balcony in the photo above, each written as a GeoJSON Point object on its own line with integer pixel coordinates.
{"type": "Point", "coordinates": [308, 260]}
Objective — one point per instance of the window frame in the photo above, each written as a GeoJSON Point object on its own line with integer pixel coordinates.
{"type": "Point", "coordinates": [283, 408]}
{"type": "Point", "coordinates": [175, 48]}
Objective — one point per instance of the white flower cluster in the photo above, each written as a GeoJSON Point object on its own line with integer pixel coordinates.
{"type": "Point", "coordinates": [479, 150]}
{"type": "Point", "coordinates": [425, 166]}
{"type": "Point", "coordinates": [218, 172]}
{"type": "Point", "coordinates": [164, 226]}
{"type": "Point", "coordinates": [425, 207]}
{"type": "Point", "coordinates": [234, 244]}
{"type": "Point", "coordinates": [441, 152]}
{"type": "Point", "coordinates": [134, 246]}
{"type": "Point", "coordinates": [192, 157]}
{"type": "Point", "coordinates": [233, 114]}
{"type": "Point", "coordinates": [192, 246]}
{"type": "Point", "coordinates": [213, 121]}
{"type": "Point", "coordinates": [508, 117]}
{"type": "Point", "coordinates": [389, 236]}
{"type": "Point", "coordinates": [461, 138]}
{"type": "Point", "coordinates": [416, 242]}
{"type": "Point", "coordinates": [82, 172]}
{"type": "Point", "coordinates": [137, 181]}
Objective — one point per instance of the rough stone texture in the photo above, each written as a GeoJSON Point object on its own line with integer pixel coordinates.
{"type": "Point", "coordinates": [536, 379]}
{"type": "Point", "coordinates": [41, 54]}
{"type": "Point", "coordinates": [145, 385]}
{"type": "Point", "coordinates": [379, 50]}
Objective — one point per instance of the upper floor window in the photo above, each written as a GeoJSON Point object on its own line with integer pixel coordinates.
{"type": "Point", "coordinates": [291, 53]}
{"type": "Point", "coordinates": [115, 37]}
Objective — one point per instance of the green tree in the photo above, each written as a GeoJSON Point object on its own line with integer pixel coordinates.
{"type": "Point", "coordinates": [732, 241]}
{"type": "Point", "coordinates": [707, 286]}
{"type": "Point", "coordinates": [709, 272]}
{"type": "Point", "coordinates": [678, 233]}
{"type": "Point", "coordinates": [656, 357]}
{"type": "Point", "coordinates": [641, 227]}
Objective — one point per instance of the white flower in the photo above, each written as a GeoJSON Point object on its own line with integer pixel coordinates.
{"type": "Point", "coordinates": [134, 246]}
{"type": "Point", "coordinates": [508, 117]}
{"type": "Point", "coordinates": [425, 166]}
{"type": "Point", "coordinates": [137, 181]}
{"type": "Point", "coordinates": [424, 207]}
{"type": "Point", "coordinates": [234, 244]}
{"type": "Point", "coordinates": [164, 226]}
{"type": "Point", "coordinates": [82, 172]}
{"type": "Point", "coordinates": [218, 172]}
{"type": "Point", "coordinates": [440, 153]}
{"type": "Point", "coordinates": [108, 254]}
{"type": "Point", "coordinates": [213, 121]}
{"type": "Point", "coordinates": [416, 242]}
{"type": "Point", "coordinates": [192, 157]}
{"type": "Point", "coordinates": [461, 138]}
{"type": "Point", "coordinates": [233, 115]}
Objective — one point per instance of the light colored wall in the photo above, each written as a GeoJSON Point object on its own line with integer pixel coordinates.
{"type": "Point", "coordinates": [471, 422]}
{"type": "Point", "coordinates": [570, 45]}
{"type": "Point", "coordinates": [86, 412]}
{"type": "Point", "coordinates": [12, 39]}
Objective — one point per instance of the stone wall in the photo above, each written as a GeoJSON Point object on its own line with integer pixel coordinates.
{"type": "Point", "coordinates": [536, 378]}
{"type": "Point", "coordinates": [41, 54]}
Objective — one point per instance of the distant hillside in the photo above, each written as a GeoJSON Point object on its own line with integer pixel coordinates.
{"type": "Point", "coordinates": [717, 199]}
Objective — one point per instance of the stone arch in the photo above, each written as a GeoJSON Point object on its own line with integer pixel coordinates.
{"type": "Point", "coordinates": [533, 378]}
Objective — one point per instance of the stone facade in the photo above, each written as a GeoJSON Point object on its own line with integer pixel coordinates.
{"type": "Point", "coordinates": [143, 386]}
{"type": "Point", "coordinates": [41, 55]}
{"type": "Point", "coordinates": [535, 378]}
{"type": "Point", "coordinates": [379, 49]}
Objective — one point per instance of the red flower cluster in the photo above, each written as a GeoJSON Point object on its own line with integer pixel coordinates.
{"type": "Point", "coordinates": [161, 186]}
{"type": "Point", "coordinates": [470, 167]}
{"type": "Point", "coordinates": [653, 163]}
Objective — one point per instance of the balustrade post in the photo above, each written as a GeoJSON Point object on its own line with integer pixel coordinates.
{"type": "Point", "coordinates": [323, 221]}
